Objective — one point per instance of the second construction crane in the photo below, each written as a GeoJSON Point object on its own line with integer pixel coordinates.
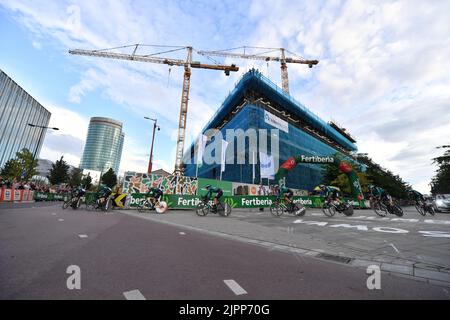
{"type": "Point", "coordinates": [282, 59]}
{"type": "Point", "coordinates": [187, 64]}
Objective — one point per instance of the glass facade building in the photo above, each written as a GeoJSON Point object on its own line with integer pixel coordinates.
{"type": "Point", "coordinates": [104, 143]}
{"type": "Point", "coordinates": [257, 103]}
{"type": "Point", "coordinates": [17, 109]}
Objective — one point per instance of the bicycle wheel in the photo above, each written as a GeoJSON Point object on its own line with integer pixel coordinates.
{"type": "Point", "coordinates": [431, 210]}
{"type": "Point", "coordinates": [349, 211]}
{"type": "Point", "coordinates": [162, 207]}
{"type": "Point", "coordinates": [224, 209]}
{"type": "Point", "coordinates": [328, 209]}
{"type": "Point", "coordinates": [66, 204]}
{"type": "Point", "coordinates": [420, 209]}
{"type": "Point", "coordinates": [299, 211]}
{"type": "Point", "coordinates": [379, 209]}
{"type": "Point", "coordinates": [202, 209]}
{"type": "Point", "coordinates": [397, 210]}
{"type": "Point", "coordinates": [143, 207]}
{"type": "Point", "coordinates": [276, 209]}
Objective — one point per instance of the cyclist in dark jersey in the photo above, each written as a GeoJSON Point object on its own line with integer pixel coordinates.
{"type": "Point", "coordinates": [287, 195]}
{"type": "Point", "coordinates": [217, 197]}
{"type": "Point", "coordinates": [329, 192]}
{"type": "Point", "coordinates": [155, 193]}
{"type": "Point", "coordinates": [380, 193]}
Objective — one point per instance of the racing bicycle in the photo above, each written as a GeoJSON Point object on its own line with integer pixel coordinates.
{"type": "Point", "coordinates": [206, 206]}
{"type": "Point", "coordinates": [330, 207]}
{"type": "Point", "coordinates": [278, 207]}
{"type": "Point", "coordinates": [423, 207]}
{"type": "Point", "coordinates": [152, 203]}
{"type": "Point", "coordinates": [382, 208]}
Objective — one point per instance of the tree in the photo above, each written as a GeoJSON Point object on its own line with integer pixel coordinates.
{"type": "Point", "coordinates": [11, 169]}
{"type": "Point", "coordinates": [59, 173]}
{"type": "Point", "coordinates": [87, 182]}
{"type": "Point", "coordinates": [76, 175]}
{"type": "Point", "coordinates": [22, 167]}
{"type": "Point", "coordinates": [384, 178]}
{"type": "Point", "coordinates": [440, 183]}
{"type": "Point", "coordinates": [374, 174]}
{"type": "Point", "coordinates": [342, 183]}
{"type": "Point", "coordinates": [109, 178]}
{"type": "Point", "coordinates": [27, 164]}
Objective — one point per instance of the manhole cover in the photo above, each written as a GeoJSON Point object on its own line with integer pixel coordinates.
{"type": "Point", "coordinates": [334, 258]}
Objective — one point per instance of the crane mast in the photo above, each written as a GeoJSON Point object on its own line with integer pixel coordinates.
{"type": "Point", "coordinates": [282, 59]}
{"type": "Point", "coordinates": [187, 64]}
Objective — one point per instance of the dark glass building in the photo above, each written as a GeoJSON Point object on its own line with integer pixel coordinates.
{"type": "Point", "coordinates": [17, 109]}
{"type": "Point", "coordinates": [104, 143]}
{"type": "Point", "coordinates": [257, 103]}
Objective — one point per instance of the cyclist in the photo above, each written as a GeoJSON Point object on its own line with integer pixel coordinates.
{"type": "Point", "coordinates": [286, 194]}
{"type": "Point", "coordinates": [79, 192]}
{"type": "Point", "coordinates": [381, 194]}
{"type": "Point", "coordinates": [218, 193]}
{"type": "Point", "coordinates": [330, 193]}
{"type": "Point", "coordinates": [417, 196]}
{"type": "Point", "coordinates": [155, 193]}
{"type": "Point", "coordinates": [104, 192]}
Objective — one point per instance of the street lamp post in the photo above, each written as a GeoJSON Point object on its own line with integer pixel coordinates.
{"type": "Point", "coordinates": [150, 162]}
{"type": "Point", "coordinates": [43, 128]}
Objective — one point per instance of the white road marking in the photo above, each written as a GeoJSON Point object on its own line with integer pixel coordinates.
{"type": "Point", "coordinates": [134, 295]}
{"type": "Point", "coordinates": [53, 214]}
{"type": "Point", "coordinates": [182, 233]}
{"type": "Point", "coordinates": [82, 235]}
{"type": "Point", "coordinates": [235, 287]}
{"type": "Point", "coordinates": [394, 248]}
{"type": "Point", "coordinates": [61, 220]}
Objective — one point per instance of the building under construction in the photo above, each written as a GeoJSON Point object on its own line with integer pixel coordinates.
{"type": "Point", "coordinates": [257, 103]}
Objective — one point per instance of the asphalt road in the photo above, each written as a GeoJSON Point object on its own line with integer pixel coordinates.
{"type": "Point", "coordinates": [124, 256]}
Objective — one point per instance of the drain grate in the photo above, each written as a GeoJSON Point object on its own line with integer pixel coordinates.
{"type": "Point", "coordinates": [334, 258]}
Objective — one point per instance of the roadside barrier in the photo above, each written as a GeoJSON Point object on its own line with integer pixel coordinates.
{"type": "Point", "coordinates": [16, 195]}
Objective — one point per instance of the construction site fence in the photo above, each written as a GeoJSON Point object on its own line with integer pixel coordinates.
{"type": "Point", "coordinates": [191, 202]}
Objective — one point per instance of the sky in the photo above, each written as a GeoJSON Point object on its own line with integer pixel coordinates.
{"type": "Point", "coordinates": [383, 72]}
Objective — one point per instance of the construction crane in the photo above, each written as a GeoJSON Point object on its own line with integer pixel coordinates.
{"type": "Point", "coordinates": [187, 64]}
{"type": "Point", "coordinates": [282, 59]}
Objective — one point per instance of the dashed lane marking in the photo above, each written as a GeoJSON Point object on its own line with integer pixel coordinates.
{"type": "Point", "coordinates": [182, 233]}
{"type": "Point", "coordinates": [82, 235]}
{"type": "Point", "coordinates": [134, 295]}
{"type": "Point", "coordinates": [235, 287]}
{"type": "Point", "coordinates": [61, 220]}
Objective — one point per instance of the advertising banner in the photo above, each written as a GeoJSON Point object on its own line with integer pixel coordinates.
{"type": "Point", "coordinates": [17, 194]}
{"type": "Point", "coordinates": [276, 122]}
{"type": "Point", "coordinates": [226, 186]}
{"type": "Point", "coordinates": [244, 202]}
{"type": "Point", "coordinates": [7, 195]}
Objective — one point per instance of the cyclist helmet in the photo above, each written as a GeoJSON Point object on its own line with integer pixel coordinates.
{"type": "Point", "coordinates": [207, 186]}
{"type": "Point", "coordinates": [371, 186]}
